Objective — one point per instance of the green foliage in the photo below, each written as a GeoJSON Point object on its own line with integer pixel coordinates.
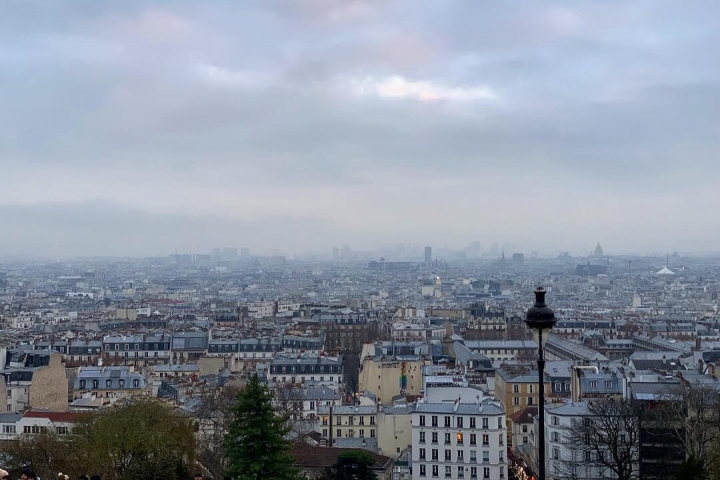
{"type": "Point", "coordinates": [141, 440]}
{"type": "Point", "coordinates": [256, 444]}
{"type": "Point", "coordinates": [352, 465]}
{"type": "Point", "coordinates": [691, 469]}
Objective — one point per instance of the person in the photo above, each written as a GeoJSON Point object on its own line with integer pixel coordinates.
{"type": "Point", "coordinates": [199, 476]}
{"type": "Point", "coordinates": [24, 475]}
{"type": "Point", "coordinates": [4, 475]}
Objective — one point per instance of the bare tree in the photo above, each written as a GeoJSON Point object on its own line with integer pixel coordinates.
{"type": "Point", "coordinates": [290, 400]}
{"type": "Point", "coordinates": [690, 414]}
{"type": "Point", "coordinates": [214, 415]}
{"type": "Point", "coordinates": [605, 438]}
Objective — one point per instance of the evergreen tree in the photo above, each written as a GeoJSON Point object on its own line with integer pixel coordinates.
{"type": "Point", "coordinates": [256, 444]}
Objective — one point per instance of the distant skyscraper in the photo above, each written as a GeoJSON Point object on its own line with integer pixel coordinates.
{"type": "Point", "coordinates": [336, 253]}
{"type": "Point", "coordinates": [345, 252]}
{"type": "Point", "coordinates": [598, 250]}
{"type": "Point", "coordinates": [428, 254]}
{"type": "Point", "coordinates": [518, 259]}
{"type": "Point", "coordinates": [244, 252]}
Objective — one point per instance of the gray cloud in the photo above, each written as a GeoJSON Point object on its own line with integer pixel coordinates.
{"type": "Point", "coordinates": [367, 114]}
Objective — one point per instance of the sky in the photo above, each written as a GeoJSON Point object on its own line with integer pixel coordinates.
{"type": "Point", "coordinates": [144, 128]}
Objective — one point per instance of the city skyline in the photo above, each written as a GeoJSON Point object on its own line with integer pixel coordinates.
{"type": "Point", "coordinates": [139, 129]}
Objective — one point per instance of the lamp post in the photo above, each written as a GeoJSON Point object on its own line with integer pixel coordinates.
{"type": "Point", "coordinates": [540, 319]}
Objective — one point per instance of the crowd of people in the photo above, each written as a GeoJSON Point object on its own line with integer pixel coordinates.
{"type": "Point", "coordinates": [30, 475]}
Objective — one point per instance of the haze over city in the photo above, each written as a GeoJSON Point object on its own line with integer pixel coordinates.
{"type": "Point", "coordinates": [147, 128]}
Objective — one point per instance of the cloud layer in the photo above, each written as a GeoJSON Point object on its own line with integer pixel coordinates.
{"type": "Point", "coordinates": [306, 124]}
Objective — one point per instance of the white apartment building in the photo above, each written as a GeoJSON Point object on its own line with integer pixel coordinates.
{"type": "Point", "coordinates": [454, 440]}
{"type": "Point", "coordinates": [564, 459]}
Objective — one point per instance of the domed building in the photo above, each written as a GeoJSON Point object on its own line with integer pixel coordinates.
{"type": "Point", "coordinates": [598, 250]}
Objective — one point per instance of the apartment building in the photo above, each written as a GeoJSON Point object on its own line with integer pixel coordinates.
{"type": "Point", "coordinates": [347, 421]}
{"type": "Point", "coordinates": [321, 370]}
{"type": "Point", "coordinates": [109, 382]}
{"type": "Point", "coordinates": [33, 379]}
{"type": "Point", "coordinates": [136, 350]}
{"type": "Point", "coordinates": [459, 440]}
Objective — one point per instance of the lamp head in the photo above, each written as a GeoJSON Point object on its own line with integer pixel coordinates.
{"type": "Point", "coordinates": [540, 318]}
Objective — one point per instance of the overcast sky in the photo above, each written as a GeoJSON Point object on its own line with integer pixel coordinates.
{"type": "Point", "coordinates": [141, 128]}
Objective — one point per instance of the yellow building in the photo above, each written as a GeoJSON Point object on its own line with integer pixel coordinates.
{"type": "Point", "coordinates": [394, 429]}
{"type": "Point", "coordinates": [347, 421]}
{"type": "Point", "coordinates": [516, 386]}
{"type": "Point", "coordinates": [383, 376]}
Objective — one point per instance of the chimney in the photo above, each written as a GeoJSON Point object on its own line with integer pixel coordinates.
{"type": "Point", "coordinates": [698, 344]}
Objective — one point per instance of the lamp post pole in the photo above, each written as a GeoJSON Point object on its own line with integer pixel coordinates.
{"type": "Point", "coordinates": [541, 410]}
{"type": "Point", "coordinates": [540, 319]}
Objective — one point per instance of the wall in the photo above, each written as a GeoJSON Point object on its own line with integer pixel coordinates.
{"type": "Point", "coordinates": [394, 432]}
{"type": "Point", "coordinates": [49, 387]}
{"type": "Point", "coordinates": [383, 378]}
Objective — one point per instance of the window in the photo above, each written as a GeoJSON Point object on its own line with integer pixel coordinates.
{"type": "Point", "coordinates": [325, 422]}
{"type": "Point", "coordinates": [516, 400]}
{"type": "Point", "coordinates": [459, 422]}
{"type": "Point", "coordinates": [434, 420]}
{"type": "Point", "coordinates": [472, 422]}
{"type": "Point", "coordinates": [362, 432]}
{"type": "Point", "coordinates": [325, 432]}
{"type": "Point", "coordinates": [587, 456]}
{"type": "Point", "coordinates": [434, 470]}
{"type": "Point", "coordinates": [530, 400]}
{"type": "Point", "coordinates": [502, 472]}
{"type": "Point", "coordinates": [448, 471]}
{"type": "Point", "coordinates": [9, 429]}
{"type": "Point", "coordinates": [422, 470]}
{"type": "Point", "coordinates": [422, 454]}
{"type": "Point", "coordinates": [473, 456]}
{"type": "Point", "coordinates": [447, 439]}
{"type": "Point", "coordinates": [448, 455]}
{"type": "Point", "coordinates": [500, 422]}
{"type": "Point", "coordinates": [558, 386]}
{"type": "Point", "coordinates": [61, 430]}
{"type": "Point", "coordinates": [96, 383]}
{"type": "Point", "coordinates": [473, 472]}
{"type": "Point", "coordinates": [516, 388]}
{"type": "Point", "coordinates": [422, 437]}
{"type": "Point", "coordinates": [434, 454]}
{"type": "Point", "coordinates": [459, 437]}
{"type": "Point", "coordinates": [486, 472]}
{"type": "Point", "coordinates": [567, 386]}
{"type": "Point", "coordinates": [531, 388]}
{"type": "Point", "coordinates": [608, 383]}
{"type": "Point", "coordinates": [136, 383]}
{"type": "Point", "coordinates": [339, 433]}
{"type": "Point", "coordinates": [486, 456]}
{"type": "Point", "coordinates": [434, 437]}
{"type": "Point", "coordinates": [524, 428]}
{"type": "Point", "coordinates": [555, 437]}
{"type": "Point", "coordinates": [460, 455]}
{"type": "Point", "coordinates": [108, 383]}
{"type": "Point", "coordinates": [525, 439]}
{"type": "Point", "coordinates": [461, 472]}
{"type": "Point", "coordinates": [556, 453]}
{"type": "Point", "coordinates": [82, 384]}
{"type": "Point", "coordinates": [372, 433]}
{"type": "Point", "coordinates": [121, 383]}
{"type": "Point", "coordinates": [593, 384]}
{"type": "Point", "coordinates": [422, 420]}
{"type": "Point", "coordinates": [554, 420]}
{"type": "Point", "coordinates": [486, 440]}
{"type": "Point", "coordinates": [447, 422]}
{"type": "Point", "coordinates": [484, 423]}
{"type": "Point", "coordinates": [501, 441]}
{"type": "Point", "coordinates": [473, 439]}
{"type": "Point", "coordinates": [372, 420]}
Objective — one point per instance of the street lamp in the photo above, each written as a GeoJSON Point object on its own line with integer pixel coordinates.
{"type": "Point", "coordinates": [540, 319]}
